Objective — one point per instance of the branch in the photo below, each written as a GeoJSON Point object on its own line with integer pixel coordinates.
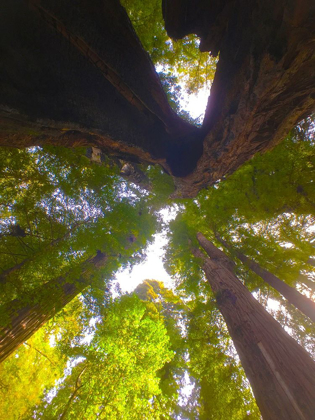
{"type": "Point", "coordinates": [41, 353]}
{"type": "Point", "coordinates": [76, 389]}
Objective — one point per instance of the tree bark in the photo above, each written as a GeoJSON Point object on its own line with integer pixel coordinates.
{"type": "Point", "coordinates": [264, 80]}
{"type": "Point", "coordinates": [21, 319]}
{"type": "Point", "coordinates": [304, 304]}
{"type": "Point", "coordinates": [281, 372]}
{"type": "Point", "coordinates": [78, 76]}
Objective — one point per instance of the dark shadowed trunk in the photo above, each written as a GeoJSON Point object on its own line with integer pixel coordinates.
{"type": "Point", "coordinates": [77, 75]}
{"type": "Point", "coordinates": [304, 304]}
{"type": "Point", "coordinates": [21, 319]}
{"type": "Point", "coordinates": [264, 77]}
{"type": "Point", "coordinates": [280, 371]}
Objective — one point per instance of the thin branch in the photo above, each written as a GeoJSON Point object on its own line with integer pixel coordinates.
{"type": "Point", "coordinates": [41, 353]}
{"type": "Point", "coordinates": [73, 395]}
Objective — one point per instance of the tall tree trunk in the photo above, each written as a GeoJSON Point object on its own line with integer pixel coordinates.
{"type": "Point", "coordinates": [280, 371]}
{"type": "Point", "coordinates": [96, 86]}
{"type": "Point", "coordinates": [21, 320]}
{"type": "Point", "coordinates": [304, 304]}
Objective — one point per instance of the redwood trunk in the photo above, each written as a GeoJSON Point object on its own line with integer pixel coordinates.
{"type": "Point", "coordinates": [281, 372]}
{"type": "Point", "coordinates": [304, 304]}
{"type": "Point", "coordinates": [23, 320]}
{"type": "Point", "coordinates": [77, 75]}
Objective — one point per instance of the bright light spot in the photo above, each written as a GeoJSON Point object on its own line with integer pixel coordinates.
{"type": "Point", "coordinates": [287, 245]}
{"type": "Point", "coordinates": [186, 388]}
{"type": "Point", "coordinates": [151, 269]}
{"type": "Point", "coordinates": [196, 103]}
{"type": "Point", "coordinates": [52, 340]}
{"type": "Point", "coordinates": [273, 305]}
{"type": "Point", "coordinates": [169, 213]}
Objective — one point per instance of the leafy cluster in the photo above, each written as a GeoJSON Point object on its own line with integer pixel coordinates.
{"type": "Point", "coordinates": [115, 376]}
{"type": "Point", "coordinates": [58, 210]}
{"type": "Point", "coordinates": [181, 60]}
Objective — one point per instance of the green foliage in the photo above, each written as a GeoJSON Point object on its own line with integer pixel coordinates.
{"type": "Point", "coordinates": [25, 376]}
{"type": "Point", "coordinates": [116, 375]}
{"type": "Point", "coordinates": [223, 389]}
{"type": "Point", "coordinates": [38, 363]}
{"type": "Point", "coordinates": [162, 186]}
{"type": "Point", "coordinates": [265, 209]}
{"type": "Point", "coordinates": [203, 352]}
{"type": "Point", "coordinates": [179, 260]}
{"type": "Point", "coordinates": [175, 95]}
{"type": "Point", "coordinates": [57, 210]}
{"type": "Point", "coordinates": [162, 304]}
{"type": "Point", "coordinates": [182, 57]}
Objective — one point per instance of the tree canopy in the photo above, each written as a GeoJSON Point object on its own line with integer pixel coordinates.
{"type": "Point", "coordinates": [101, 145]}
{"type": "Point", "coordinates": [55, 214]}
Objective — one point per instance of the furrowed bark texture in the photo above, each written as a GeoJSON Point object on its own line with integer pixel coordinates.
{"type": "Point", "coordinates": [22, 319]}
{"type": "Point", "coordinates": [78, 76]}
{"type": "Point", "coordinates": [265, 79]}
{"type": "Point", "coordinates": [281, 372]}
{"type": "Point", "coordinates": [304, 304]}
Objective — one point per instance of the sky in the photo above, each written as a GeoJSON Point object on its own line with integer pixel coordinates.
{"type": "Point", "coordinates": [152, 268]}
{"type": "Point", "coordinates": [196, 104]}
